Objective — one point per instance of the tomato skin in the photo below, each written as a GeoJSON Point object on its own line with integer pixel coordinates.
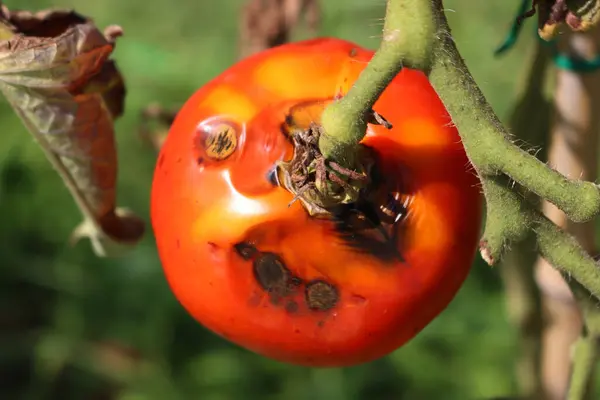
{"type": "Point", "coordinates": [206, 214]}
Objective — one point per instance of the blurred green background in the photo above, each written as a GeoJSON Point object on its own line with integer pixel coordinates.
{"type": "Point", "coordinates": [73, 326]}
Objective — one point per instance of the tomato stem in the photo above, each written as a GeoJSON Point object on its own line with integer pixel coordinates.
{"type": "Point", "coordinates": [407, 41]}
{"type": "Point", "coordinates": [510, 216]}
{"type": "Point", "coordinates": [586, 350]}
{"type": "Point", "coordinates": [416, 34]}
{"type": "Point", "coordinates": [493, 155]}
{"type": "Point", "coordinates": [487, 140]}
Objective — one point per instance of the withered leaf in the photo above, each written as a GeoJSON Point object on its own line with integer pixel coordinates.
{"type": "Point", "coordinates": [268, 23]}
{"type": "Point", "coordinates": [56, 73]}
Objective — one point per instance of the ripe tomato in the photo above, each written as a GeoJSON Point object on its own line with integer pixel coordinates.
{"type": "Point", "coordinates": [266, 275]}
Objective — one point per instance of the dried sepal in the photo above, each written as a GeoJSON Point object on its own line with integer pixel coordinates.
{"type": "Point", "coordinates": [578, 15]}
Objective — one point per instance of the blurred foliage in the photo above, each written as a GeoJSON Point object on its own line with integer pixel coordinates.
{"type": "Point", "coordinates": [76, 327]}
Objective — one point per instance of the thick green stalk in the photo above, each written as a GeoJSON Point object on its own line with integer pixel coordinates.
{"type": "Point", "coordinates": [408, 37]}
{"type": "Point", "coordinates": [585, 358]}
{"type": "Point", "coordinates": [586, 351]}
{"type": "Point", "coordinates": [505, 218]}
{"type": "Point", "coordinates": [487, 141]}
{"type": "Point", "coordinates": [417, 34]}
{"type": "Point", "coordinates": [566, 254]}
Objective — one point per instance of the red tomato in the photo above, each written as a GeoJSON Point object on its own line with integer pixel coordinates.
{"type": "Point", "coordinates": [299, 289]}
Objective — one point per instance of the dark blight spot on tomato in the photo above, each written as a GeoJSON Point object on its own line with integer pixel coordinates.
{"type": "Point", "coordinates": [217, 253]}
{"type": "Point", "coordinates": [358, 299]}
{"type": "Point", "coordinates": [295, 281]}
{"type": "Point", "coordinates": [291, 307]}
{"type": "Point", "coordinates": [272, 275]}
{"type": "Point", "coordinates": [320, 295]}
{"type": "Point", "coordinates": [289, 121]}
{"type": "Point", "coordinates": [245, 250]}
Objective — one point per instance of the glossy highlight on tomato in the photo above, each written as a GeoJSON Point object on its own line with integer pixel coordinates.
{"type": "Point", "coordinates": [252, 266]}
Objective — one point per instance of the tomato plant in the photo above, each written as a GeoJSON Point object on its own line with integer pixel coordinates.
{"type": "Point", "coordinates": [253, 266]}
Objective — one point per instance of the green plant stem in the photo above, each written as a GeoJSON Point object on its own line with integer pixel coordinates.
{"type": "Point", "coordinates": [416, 34]}
{"type": "Point", "coordinates": [524, 309]}
{"type": "Point", "coordinates": [530, 123]}
{"type": "Point", "coordinates": [565, 253]}
{"type": "Point", "coordinates": [511, 217]}
{"type": "Point", "coordinates": [505, 218]}
{"type": "Point", "coordinates": [488, 143]}
{"type": "Point", "coordinates": [408, 35]}
{"type": "Point", "coordinates": [585, 358]}
{"type": "Point", "coordinates": [586, 350]}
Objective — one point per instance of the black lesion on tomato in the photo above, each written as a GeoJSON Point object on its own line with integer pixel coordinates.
{"type": "Point", "coordinates": [284, 289]}
{"type": "Point", "coordinates": [321, 295]}
{"type": "Point", "coordinates": [271, 273]}
{"type": "Point", "coordinates": [291, 307]}
{"type": "Point", "coordinates": [372, 224]}
{"type": "Point", "coordinates": [285, 128]}
{"type": "Point", "coordinates": [245, 250]}
{"type": "Point", "coordinates": [274, 277]}
{"type": "Point", "coordinates": [361, 227]}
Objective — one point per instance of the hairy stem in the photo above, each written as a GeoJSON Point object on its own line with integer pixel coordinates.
{"type": "Point", "coordinates": [586, 351]}
{"type": "Point", "coordinates": [524, 308]}
{"type": "Point", "coordinates": [417, 34]}
{"type": "Point", "coordinates": [585, 358]}
{"type": "Point", "coordinates": [556, 246]}
{"type": "Point", "coordinates": [505, 218]}
{"type": "Point", "coordinates": [486, 140]}
{"type": "Point", "coordinates": [408, 37]}
{"type": "Point", "coordinates": [530, 122]}
{"type": "Point", "coordinates": [564, 252]}
{"type": "Point", "coordinates": [574, 152]}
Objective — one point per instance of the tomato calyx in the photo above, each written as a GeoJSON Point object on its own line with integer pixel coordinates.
{"type": "Point", "coordinates": [320, 184]}
{"type": "Point", "coordinates": [317, 183]}
{"type": "Point", "coordinates": [365, 206]}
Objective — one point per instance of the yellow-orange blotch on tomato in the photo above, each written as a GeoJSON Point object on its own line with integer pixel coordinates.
{"type": "Point", "coordinates": [265, 275]}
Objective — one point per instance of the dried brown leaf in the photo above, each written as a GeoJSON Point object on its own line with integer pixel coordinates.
{"type": "Point", "coordinates": [268, 23]}
{"type": "Point", "coordinates": [56, 73]}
